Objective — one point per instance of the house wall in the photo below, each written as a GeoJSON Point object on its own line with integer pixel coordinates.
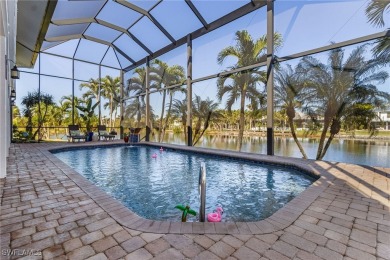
{"type": "Point", "coordinates": [385, 118]}
{"type": "Point", "coordinates": [7, 53]}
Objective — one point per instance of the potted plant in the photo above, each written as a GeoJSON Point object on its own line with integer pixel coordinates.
{"type": "Point", "coordinates": [87, 114]}
{"type": "Point", "coordinates": [126, 137]}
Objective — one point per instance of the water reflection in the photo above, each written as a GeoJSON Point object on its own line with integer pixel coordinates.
{"type": "Point", "coordinates": [367, 152]}
{"type": "Point", "coordinates": [270, 180]}
{"type": "Point", "coordinates": [151, 187]}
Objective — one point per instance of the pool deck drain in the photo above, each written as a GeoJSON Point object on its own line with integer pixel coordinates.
{"type": "Point", "coordinates": [49, 211]}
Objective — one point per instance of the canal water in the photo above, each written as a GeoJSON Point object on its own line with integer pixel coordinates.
{"type": "Point", "coordinates": [366, 152]}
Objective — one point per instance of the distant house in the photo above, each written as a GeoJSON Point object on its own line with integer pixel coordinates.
{"type": "Point", "coordinates": [303, 120]}
{"type": "Point", "coordinates": [383, 119]}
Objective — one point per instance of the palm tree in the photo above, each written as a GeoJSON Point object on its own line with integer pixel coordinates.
{"type": "Point", "coordinates": [136, 108]}
{"type": "Point", "coordinates": [94, 91]}
{"type": "Point", "coordinates": [230, 118]}
{"type": "Point", "coordinates": [34, 102]}
{"type": "Point", "coordinates": [375, 12]}
{"type": "Point", "coordinates": [46, 101]}
{"type": "Point", "coordinates": [360, 116]}
{"type": "Point", "coordinates": [236, 91]}
{"type": "Point", "coordinates": [62, 114]}
{"type": "Point", "coordinates": [341, 84]}
{"type": "Point", "coordinates": [254, 113]}
{"type": "Point", "coordinates": [56, 117]}
{"type": "Point", "coordinates": [243, 85]}
{"type": "Point", "coordinates": [204, 111]}
{"type": "Point", "coordinates": [29, 102]}
{"type": "Point", "coordinates": [67, 102]}
{"type": "Point", "coordinates": [179, 110]}
{"type": "Point", "coordinates": [166, 76]}
{"type": "Point", "coordinates": [290, 94]}
{"type": "Point", "coordinates": [111, 91]}
{"type": "Point", "coordinates": [136, 86]}
{"type": "Point", "coordinates": [219, 122]}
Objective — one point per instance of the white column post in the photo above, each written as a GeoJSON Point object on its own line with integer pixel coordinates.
{"type": "Point", "coordinates": [4, 103]}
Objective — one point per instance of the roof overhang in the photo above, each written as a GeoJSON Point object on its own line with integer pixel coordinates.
{"type": "Point", "coordinates": [33, 20]}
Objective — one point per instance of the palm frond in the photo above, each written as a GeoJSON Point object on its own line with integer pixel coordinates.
{"type": "Point", "coordinates": [192, 212]}
{"type": "Point", "coordinates": [382, 49]}
{"type": "Point", "coordinates": [226, 52]}
{"type": "Point", "coordinates": [376, 10]}
{"type": "Point", "coordinates": [181, 207]}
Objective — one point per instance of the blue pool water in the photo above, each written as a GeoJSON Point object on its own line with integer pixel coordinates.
{"type": "Point", "coordinates": [152, 187]}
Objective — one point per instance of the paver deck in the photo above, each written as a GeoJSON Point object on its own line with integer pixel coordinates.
{"type": "Point", "coordinates": [49, 211]}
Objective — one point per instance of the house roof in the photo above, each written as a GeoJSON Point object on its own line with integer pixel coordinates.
{"type": "Point", "coordinates": [33, 18]}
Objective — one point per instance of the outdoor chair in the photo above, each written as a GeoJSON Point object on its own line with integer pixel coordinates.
{"type": "Point", "coordinates": [74, 133]}
{"type": "Point", "coordinates": [102, 131]}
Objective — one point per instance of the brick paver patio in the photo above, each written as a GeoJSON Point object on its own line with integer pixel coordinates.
{"type": "Point", "coordinates": [48, 211]}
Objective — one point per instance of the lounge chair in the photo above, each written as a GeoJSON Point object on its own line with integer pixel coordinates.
{"type": "Point", "coordinates": [102, 131]}
{"type": "Point", "coordinates": [74, 133]}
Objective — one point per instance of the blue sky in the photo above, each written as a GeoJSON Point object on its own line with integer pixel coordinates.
{"type": "Point", "coordinates": [303, 24]}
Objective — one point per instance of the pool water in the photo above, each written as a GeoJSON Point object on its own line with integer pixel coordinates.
{"type": "Point", "coordinates": [152, 187]}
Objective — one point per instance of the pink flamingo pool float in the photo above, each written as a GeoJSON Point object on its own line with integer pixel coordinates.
{"type": "Point", "coordinates": [215, 216]}
{"type": "Point", "coordinates": [154, 155]}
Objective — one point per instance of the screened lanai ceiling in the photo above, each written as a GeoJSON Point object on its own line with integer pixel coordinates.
{"type": "Point", "coordinates": [122, 33]}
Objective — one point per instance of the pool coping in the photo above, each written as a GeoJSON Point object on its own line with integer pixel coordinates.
{"type": "Point", "coordinates": [281, 219]}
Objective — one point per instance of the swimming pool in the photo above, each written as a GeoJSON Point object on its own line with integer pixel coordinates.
{"type": "Point", "coordinates": [152, 187]}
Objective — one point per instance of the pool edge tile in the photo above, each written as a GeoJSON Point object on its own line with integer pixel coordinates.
{"type": "Point", "coordinates": [275, 222]}
{"type": "Point", "coordinates": [243, 228]}
{"type": "Point", "coordinates": [209, 228]}
{"type": "Point", "coordinates": [186, 228]}
{"type": "Point", "coordinates": [175, 228]}
{"type": "Point", "coordinates": [198, 227]}
{"type": "Point", "coordinates": [220, 228]}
